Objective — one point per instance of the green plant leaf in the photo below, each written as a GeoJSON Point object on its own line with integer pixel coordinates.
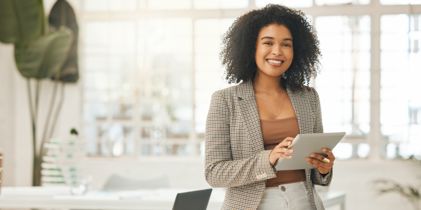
{"type": "Point", "coordinates": [62, 14]}
{"type": "Point", "coordinates": [45, 56]}
{"type": "Point", "coordinates": [21, 20]}
{"type": "Point", "coordinates": [8, 22]}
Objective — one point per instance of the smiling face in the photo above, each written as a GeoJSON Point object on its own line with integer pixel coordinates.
{"type": "Point", "coordinates": [274, 50]}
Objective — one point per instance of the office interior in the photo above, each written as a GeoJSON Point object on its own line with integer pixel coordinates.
{"type": "Point", "coordinates": [147, 70]}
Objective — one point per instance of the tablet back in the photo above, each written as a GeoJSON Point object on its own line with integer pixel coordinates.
{"type": "Point", "coordinates": [304, 145]}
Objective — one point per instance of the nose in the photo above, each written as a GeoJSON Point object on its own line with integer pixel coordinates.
{"type": "Point", "coordinates": [276, 50]}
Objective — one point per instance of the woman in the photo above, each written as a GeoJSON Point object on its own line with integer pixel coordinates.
{"type": "Point", "coordinates": [274, 53]}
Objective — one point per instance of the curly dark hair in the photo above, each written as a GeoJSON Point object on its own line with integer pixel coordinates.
{"type": "Point", "coordinates": [239, 46]}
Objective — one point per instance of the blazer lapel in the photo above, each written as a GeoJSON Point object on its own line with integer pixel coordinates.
{"type": "Point", "coordinates": [303, 111]}
{"type": "Point", "coordinates": [250, 115]}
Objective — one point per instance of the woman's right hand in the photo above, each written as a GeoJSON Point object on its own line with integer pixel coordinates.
{"type": "Point", "coordinates": [281, 151]}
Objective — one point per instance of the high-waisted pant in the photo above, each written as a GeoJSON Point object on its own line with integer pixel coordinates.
{"type": "Point", "coordinates": [292, 196]}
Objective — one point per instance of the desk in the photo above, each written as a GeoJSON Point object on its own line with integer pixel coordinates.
{"type": "Point", "coordinates": [157, 199]}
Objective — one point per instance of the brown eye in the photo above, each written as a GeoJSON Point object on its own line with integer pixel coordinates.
{"type": "Point", "coordinates": [287, 45]}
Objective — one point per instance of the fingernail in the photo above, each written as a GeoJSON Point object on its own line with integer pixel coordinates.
{"type": "Point", "coordinates": [324, 150]}
{"type": "Point", "coordinates": [312, 155]}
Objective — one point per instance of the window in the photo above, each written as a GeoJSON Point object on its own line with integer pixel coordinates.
{"type": "Point", "coordinates": [400, 85]}
{"type": "Point", "coordinates": [343, 2]}
{"type": "Point", "coordinates": [149, 69]}
{"type": "Point", "coordinates": [400, 2]}
{"type": "Point", "coordinates": [302, 3]}
{"type": "Point", "coordinates": [169, 4]}
{"type": "Point", "coordinates": [138, 85]}
{"type": "Point", "coordinates": [209, 71]}
{"type": "Point", "coordinates": [343, 83]}
{"type": "Point", "coordinates": [109, 61]}
{"type": "Point", "coordinates": [109, 5]}
{"type": "Point", "coordinates": [220, 4]}
{"type": "Point", "coordinates": [309, 3]}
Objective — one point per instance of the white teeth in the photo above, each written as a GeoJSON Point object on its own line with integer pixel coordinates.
{"type": "Point", "coordinates": [274, 62]}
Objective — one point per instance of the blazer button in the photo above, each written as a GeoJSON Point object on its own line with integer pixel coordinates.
{"type": "Point", "coordinates": [261, 176]}
{"type": "Point", "coordinates": [283, 188]}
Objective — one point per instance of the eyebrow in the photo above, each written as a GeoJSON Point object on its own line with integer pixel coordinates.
{"type": "Point", "coordinates": [269, 37]}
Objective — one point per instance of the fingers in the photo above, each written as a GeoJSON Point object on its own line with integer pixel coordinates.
{"type": "Point", "coordinates": [325, 156]}
{"type": "Point", "coordinates": [318, 163]}
{"type": "Point", "coordinates": [323, 168]}
{"type": "Point", "coordinates": [284, 148]}
{"type": "Point", "coordinates": [321, 157]}
{"type": "Point", "coordinates": [287, 142]}
{"type": "Point", "coordinates": [329, 153]}
{"type": "Point", "coordinates": [323, 162]}
{"type": "Point", "coordinates": [281, 151]}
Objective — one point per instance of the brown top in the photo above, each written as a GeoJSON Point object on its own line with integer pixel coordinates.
{"type": "Point", "coordinates": [274, 131]}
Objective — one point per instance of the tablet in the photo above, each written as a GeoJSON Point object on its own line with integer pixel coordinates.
{"type": "Point", "coordinates": [304, 145]}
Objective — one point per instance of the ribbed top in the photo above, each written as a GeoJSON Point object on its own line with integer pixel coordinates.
{"type": "Point", "coordinates": [274, 131]}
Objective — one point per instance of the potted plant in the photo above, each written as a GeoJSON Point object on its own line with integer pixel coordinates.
{"type": "Point", "coordinates": [409, 192]}
{"type": "Point", "coordinates": [42, 51]}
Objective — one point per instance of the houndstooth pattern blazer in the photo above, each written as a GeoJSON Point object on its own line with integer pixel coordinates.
{"type": "Point", "coordinates": [235, 157]}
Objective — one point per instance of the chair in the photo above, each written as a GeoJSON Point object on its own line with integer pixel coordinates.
{"type": "Point", "coordinates": [193, 200]}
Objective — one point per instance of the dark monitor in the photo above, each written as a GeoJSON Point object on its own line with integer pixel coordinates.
{"type": "Point", "coordinates": [193, 200]}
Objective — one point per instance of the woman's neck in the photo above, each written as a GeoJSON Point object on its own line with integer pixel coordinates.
{"type": "Point", "coordinates": [267, 85]}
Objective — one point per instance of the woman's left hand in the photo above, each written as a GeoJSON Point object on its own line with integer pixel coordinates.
{"type": "Point", "coordinates": [323, 162]}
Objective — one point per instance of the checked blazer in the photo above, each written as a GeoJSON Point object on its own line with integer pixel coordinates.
{"type": "Point", "coordinates": [235, 157]}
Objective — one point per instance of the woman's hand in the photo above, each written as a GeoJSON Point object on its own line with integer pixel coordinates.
{"type": "Point", "coordinates": [280, 151]}
{"type": "Point", "coordinates": [323, 162]}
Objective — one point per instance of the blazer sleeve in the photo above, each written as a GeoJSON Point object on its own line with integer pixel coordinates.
{"type": "Point", "coordinates": [220, 168]}
{"type": "Point", "coordinates": [318, 128]}
{"type": "Point", "coordinates": [316, 177]}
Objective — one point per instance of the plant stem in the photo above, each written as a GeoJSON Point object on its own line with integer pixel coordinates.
{"type": "Point", "coordinates": [33, 126]}
{"type": "Point", "coordinates": [58, 109]}
{"type": "Point", "coordinates": [50, 111]}
{"type": "Point", "coordinates": [37, 92]}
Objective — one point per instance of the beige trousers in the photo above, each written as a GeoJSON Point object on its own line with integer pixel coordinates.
{"type": "Point", "coordinates": [292, 196]}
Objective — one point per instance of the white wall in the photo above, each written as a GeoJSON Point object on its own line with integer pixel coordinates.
{"type": "Point", "coordinates": [7, 140]}
{"type": "Point", "coordinates": [15, 131]}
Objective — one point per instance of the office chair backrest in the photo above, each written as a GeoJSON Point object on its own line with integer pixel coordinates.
{"type": "Point", "coordinates": [193, 200]}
